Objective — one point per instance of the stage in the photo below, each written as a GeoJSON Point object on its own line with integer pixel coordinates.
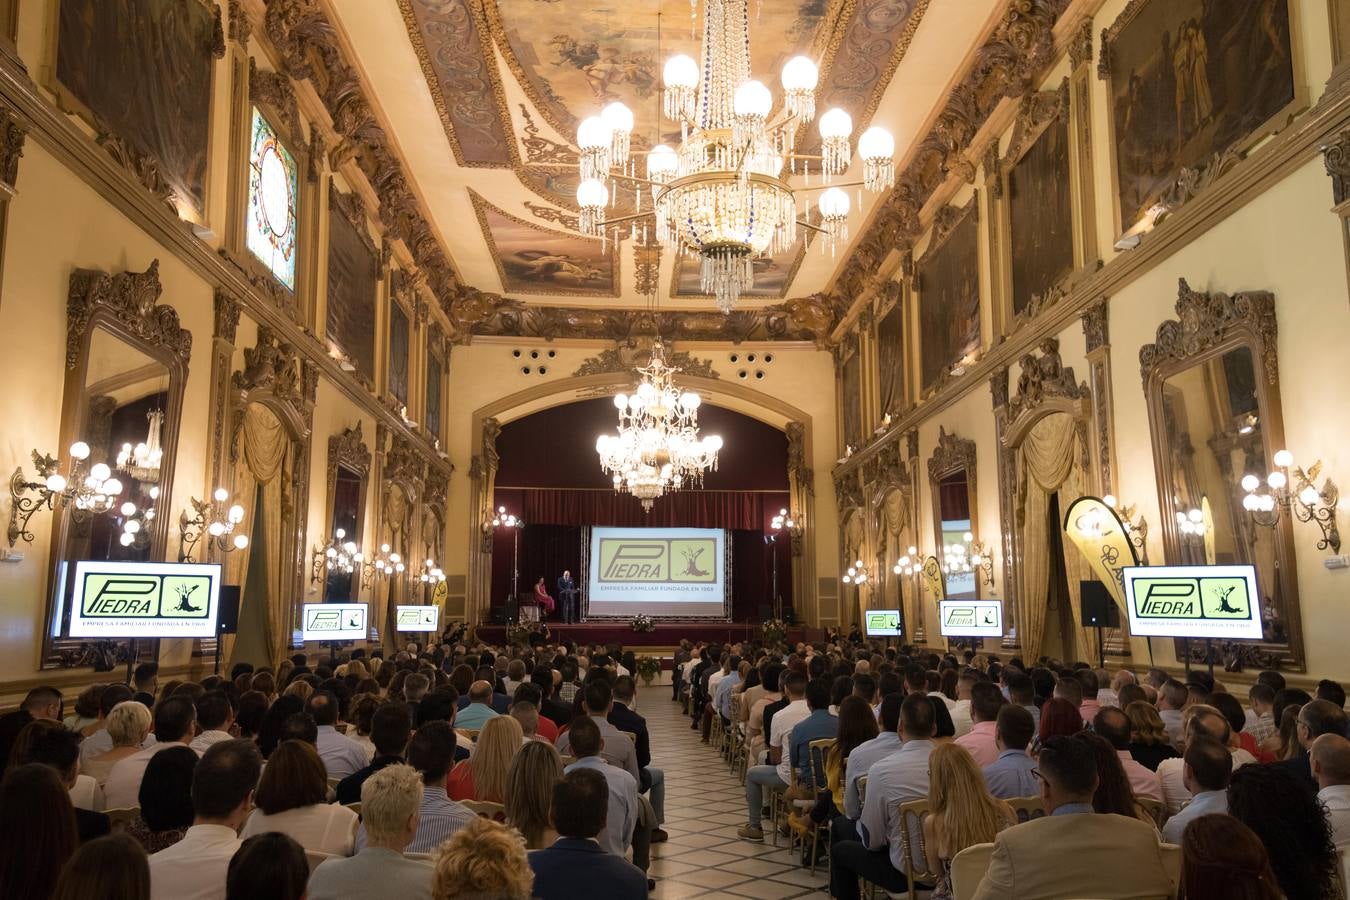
{"type": "Point", "coordinates": [667, 634]}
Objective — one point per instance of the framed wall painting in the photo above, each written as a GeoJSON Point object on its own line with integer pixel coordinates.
{"type": "Point", "coordinates": [353, 284]}
{"type": "Point", "coordinates": [431, 417]}
{"type": "Point", "coordinates": [948, 277]}
{"type": "Point", "coordinates": [891, 360]}
{"type": "Point", "coordinates": [141, 70]}
{"type": "Point", "coordinates": [399, 339]}
{"type": "Point", "coordinates": [851, 390]}
{"type": "Point", "coordinates": [1040, 216]}
{"type": "Point", "coordinates": [1189, 80]}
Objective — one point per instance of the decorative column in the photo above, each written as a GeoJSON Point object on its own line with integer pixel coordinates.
{"type": "Point", "coordinates": [1007, 481]}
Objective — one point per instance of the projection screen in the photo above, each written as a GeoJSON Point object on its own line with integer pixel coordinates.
{"type": "Point", "coordinates": [659, 572]}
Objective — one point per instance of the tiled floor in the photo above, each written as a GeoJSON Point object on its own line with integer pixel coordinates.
{"type": "Point", "coordinates": [704, 807]}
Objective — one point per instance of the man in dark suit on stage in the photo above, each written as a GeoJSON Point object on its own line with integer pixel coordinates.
{"type": "Point", "coordinates": [567, 596]}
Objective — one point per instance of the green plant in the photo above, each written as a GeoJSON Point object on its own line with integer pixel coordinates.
{"type": "Point", "coordinates": [648, 667]}
{"type": "Point", "coordinates": [773, 631]}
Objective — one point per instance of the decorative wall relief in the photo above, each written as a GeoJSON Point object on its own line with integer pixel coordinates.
{"type": "Point", "coordinates": [353, 282]}
{"type": "Point", "coordinates": [1189, 81]}
{"type": "Point", "coordinates": [949, 293]}
{"type": "Point", "coordinates": [141, 70]}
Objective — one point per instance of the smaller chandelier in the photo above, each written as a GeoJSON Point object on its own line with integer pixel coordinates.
{"type": "Point", "coordinates": [142, 461]}
{"type": "Point", "coordinates": [340, 556]}
{"type": "Point", "coordinates": [214, 521]}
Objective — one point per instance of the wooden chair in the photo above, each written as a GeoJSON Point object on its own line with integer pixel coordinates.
{"type": "Point", "coordinates": [1027, 808]}
{"type": "Point", "coordinates": [968, 868]}
{"type": "Point", "coordinates": [862, 789]}
{"type": "Point", "coordinates": [354, 807]}
{"type": "Point", "coordinates": [631, 735]}
{"type": "Point", "coordinates": [1171, 860]}
{"type": "Point", "coordinates": [332, 784]}
{"type": "Point", "coordinates": [123, 816]}
{"type": "Point", "coordinates": [819, 751]}
{"type": "Point", "coordinates": [316, 857]}
{"type": "Point", "coordinates": [485, 808]}
{"type": "Point", "coordinates": [422, 857]}
{"type": "Point", "coordinates": [911, 829]}
{"type": "Point", "coordinates": [470, 733]}
{"type": "Point", "coordinates": [1156, 810]}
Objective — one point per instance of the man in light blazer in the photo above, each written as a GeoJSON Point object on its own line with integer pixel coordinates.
{"type": "Point", "coordinates": [1073, 851]}
{"type": "Point", "coordinates": [576, 867]}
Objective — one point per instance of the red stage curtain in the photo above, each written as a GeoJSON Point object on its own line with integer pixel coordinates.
{"type": "Point", "coordinates": [683, 509]}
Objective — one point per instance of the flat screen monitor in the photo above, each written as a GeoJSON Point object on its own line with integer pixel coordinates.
{"type": "Point", "coordinates": [970, 618]}
{"type": "Point", "coordinates": [144, 600]}
{"type": "Point", "coordinates": [419, 618]}
{"type": "Point", "coordinates": [882, 622]}
{"type": "Point", "coordinates": [1193, 601]}
{"type": "Point", "coordinates": [334, 622]}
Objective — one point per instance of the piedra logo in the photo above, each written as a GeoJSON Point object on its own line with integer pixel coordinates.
{"type": "Point", "coordinates": [145, 596]}
{"type": "Point", "coordinates": [960, 616]}
{"type": "Point", "coordinates": [658, 560]}
{"type": "Point", "coordinates": [1191, 598]}
{"type": "Point", "coordinates": [337, 619]}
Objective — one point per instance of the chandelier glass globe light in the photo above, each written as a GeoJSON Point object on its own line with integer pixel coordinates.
{"type": "Point", "coordinates": [657, 447]}
{"type": "Point", "coordinates": [728, 193]}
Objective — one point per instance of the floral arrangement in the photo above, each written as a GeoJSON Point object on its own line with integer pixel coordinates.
{"type": "Point", "coordinates": [518, 634]}
{"type": "Point", "coordinates": [773, 631]}
{"type": "Point", "coordinates": [643, 623]}
{"type": "Point", "coordinates": [648, 667]}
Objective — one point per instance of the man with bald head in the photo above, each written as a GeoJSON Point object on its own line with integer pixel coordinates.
{"type": "Point", "coordinates": [476, 714]}
{"type": "Point", "coordinates": [1331, 767]}
{"type": "Point", "coordinates": [1200, 721]}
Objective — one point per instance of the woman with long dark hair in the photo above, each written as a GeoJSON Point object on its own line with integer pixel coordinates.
{"type": "Point", "coordinates": [857, 725]}
{"type": "Point", "coordinates": [269, 732]}
{"type": "Point", "coordinates": [1113, 794]}
{"type": "Point", "coordinates": [1223, 859]}
{"type": "Point", "coordinates": [37, 831]}
{"type": "Point", "coordinates": [1290, 822]}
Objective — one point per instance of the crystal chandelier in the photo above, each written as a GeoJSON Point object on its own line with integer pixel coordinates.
{"type": "Point", "coordinates": [142, 462]}
{"type": "Point", "coordinates": [657, 447]}
{"type": "Point", "coordinates": [724, 195]}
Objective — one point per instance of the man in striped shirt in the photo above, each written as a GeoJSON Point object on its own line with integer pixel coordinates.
{"type": "Point", "coordinates": [431, 752]}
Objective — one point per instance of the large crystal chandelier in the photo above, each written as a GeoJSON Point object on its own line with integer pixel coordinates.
{"type": "Point", "coordinates": [143, 461]}
{"type": "Point", "coordinates": [657, 447]}
{"type": "Point", "coordinates": [724, 195]}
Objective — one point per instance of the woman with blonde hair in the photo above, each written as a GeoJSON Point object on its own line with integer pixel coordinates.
{"type": "Point", "coordinates": [482, 777]}
{"type": "Point", "coordinates": [128, 723]}
{"type": "Point", "coordinates": [537, 767]}
{"type": "Point", "coordinates": [483, 859]}
{"type": "Point", "coordinates": [1149, 744]}
{"type": "Point", "coordinates": [302, 689]}
{"type": "Point", "coordinates": [962, 813]}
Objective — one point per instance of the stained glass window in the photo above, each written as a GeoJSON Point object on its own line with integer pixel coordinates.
{"type": "Point", "coordinates": [273, 183]}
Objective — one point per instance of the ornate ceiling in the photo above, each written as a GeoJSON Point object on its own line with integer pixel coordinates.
{"type": "Point", "coordinates": [482, 98]}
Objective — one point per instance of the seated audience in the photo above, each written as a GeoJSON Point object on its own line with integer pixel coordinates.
{"type": "Point", "coordinates": [1113, 794]}
{"type": "Point", "coordinates": [1113, 725]}
{"type": "Point", "coordinates": [873, 849]}
{"type": "Point", "coordinates": [617, 749]}
{"type": "Point", "coordinates": [479, 710]}
{"type": "Point", "coordinates": [1331, 768]}
{"type": "Point", "coordinates": [985, 702]}
{"type": "Point", "coordinates": [961, 811]}
{"type": "Point", "coordinates": [1283, 744]}
{"type": "Point", "coordinates": [222, 795]}
{"type": "Point", "coordinates": [267, 866]}
{"type": "Point", "coordinates": [1149, 743]}
{"type": "Point", "coordinates": [1221, 859]}
{"type": "Point", "coordinates": [1315, 719]}
{"type": "Point", "coordinates": [269, 732]}
{"type": "Point", "coordinates": [292, 798]}
{"type": "Point", "coordinates": [1012, 774]}
{"type": "Point", "coordinates": [363, 714]}
{"type": "Point", "coordinates": [431, 752]}
{"type": "Point", "coordinates": [52, 744]}
{"type": "Point", "coordinates": [100, 741]}
{"type": "Point", "coordinates": [37, 830]}
{"type": "Point", "coordinates": [248, 717]}
{"type": "Point", "coordinates": [39, 703]}
{"type": "Point", "coordinates": [651, 780]}
{"type": "Point", "coordinates": [820, 724]}
{"type": "Point", "coordinates": [107, 868]}
{"type": "Point", "coordinates": [622, 817]}
{"type": "Point", "coordinates": [777, 772]}
{"type": "Point", "coordinates": [340, 754]}
{"type": "Point", "coordinates": [1231, 709]}
{"type": "Point", "coordinates": [536, 768]}
{"type": "Point", "coordinates": [1199, 721]}
{"type": "Point", "coordinates": [857, 725]}
{"type": "Point", "coordinates": [484, 859]}
{"type": "Point", "coordinates": [575, 866]}
{"type": "Point", "coordinates": [1059, 718]}
{"type": "Point", "coordinates": [1207, 770]}
{"type": "Point", "coordinates": [868, 753]}
{"type": "Point", "coordinates": [165, 800]}
{"type": "Point", "coordinates": [175, 723]}
{"type": "Point", "coordinates": [483, 775]}
{"type": "Point", "coordinates": [1172, 699]}
{"type": "Point", "coordinates": [390, 729]}
{"type": "Point", "coordinates": [1287, 818]}
{"type": "Point", "coordinates": [390, 799]}
{"type": "Point", "coordinates": [1260, 719]}
{"type": "Point", "coordinates": [1073, 851]}
{"type": "Point", "coordinates": [215, 717]}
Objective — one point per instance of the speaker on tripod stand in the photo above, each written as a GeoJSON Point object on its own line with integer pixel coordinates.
{"type": "Point", "coordinates": [1097, 610]}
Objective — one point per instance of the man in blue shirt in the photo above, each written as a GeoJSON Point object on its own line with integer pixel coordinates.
{"type": "Point", "coordinates": [1012, 774]}
{"type": "Point", "coordinates": [819, 724]}
{"type": "Point", "coordinates": [722, 698]}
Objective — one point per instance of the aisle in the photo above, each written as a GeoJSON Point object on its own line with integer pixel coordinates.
{"type": "Point", "coordinates": [704, 807]}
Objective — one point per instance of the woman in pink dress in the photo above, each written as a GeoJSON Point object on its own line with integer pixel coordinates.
{"type": "Point", "coordinates": [541, 597]}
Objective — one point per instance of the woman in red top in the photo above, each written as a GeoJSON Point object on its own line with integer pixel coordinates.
{"type": "Point", "coordinates": [542, 598]}
{"type": "Point", "coordinates": [482, 776]}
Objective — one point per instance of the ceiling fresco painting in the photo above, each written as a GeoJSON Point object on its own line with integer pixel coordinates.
{"type": "Point", "coordinates": [532, 259]}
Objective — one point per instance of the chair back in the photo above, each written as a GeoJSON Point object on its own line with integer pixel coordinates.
{"type": "Point", "coordinates": [1344, 855]}
{"type": "Point", "coordinates": [1171, 860]}
{"type": "Point", "coordinates": [818, 750]}
{"type": "Point", "coordinates": [567, 760]}
{"type": "Point", "coordinates": [470, 733]}
{"type": "Point", "coordinates": [911, 843]}
{"type": "Point", "coordinates": [421, 857]}
{"type": "Point", "coordinates": [315, 857]}
{"type": "Point", "coordinates": [862, 789]}
{"type": "Point", "coordinates": [354, 807]}
{"type": "Point", "coordinates": [1027, 808]}
{"type": "Point", "coordinates": [1156, 810]}
{"type": "Point", "coordinates": [631, 735]}
{"type": "Point", "coordinates": [485, 808]}
{"type": "Point", "coordinates": [123, 816]}
{"type": "Point", "coordinates": [968, 868]}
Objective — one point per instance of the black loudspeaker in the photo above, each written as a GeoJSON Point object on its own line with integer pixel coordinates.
{"type": "Point", "coordinates": [227, 622]}
{"type": "Point", "coordinates": [512, 609]}
{"type": "Point", "coordinates": [1096, 607]}
{"type": "Point", "coordinates": [497, 615]}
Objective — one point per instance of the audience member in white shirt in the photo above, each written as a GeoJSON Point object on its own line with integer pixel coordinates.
{"type": "Point", "coordinates": [175, 723]}
{"type": "Point", "coordinates": [293, 799]}
{"type": "Point", "coordinates": [214, 718]}
{"type": "Point", "coordinates": [340, 754]}
{"type": "Point", "coordinates": [222, 796]}
{"type": "Point", "coordinates": [778, 773]}
{"type": "Point", "coordinates": [1331, 767]}
{"type": "Point", "coordinates": [127, 728]}
{"type": "Point", "coordinates": [1201, 721]}
{"type": "Point", "coordinates": [1208, 769]}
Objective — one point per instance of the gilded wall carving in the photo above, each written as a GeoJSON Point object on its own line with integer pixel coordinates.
{"type": "Point", "coordinates": [132, 299]}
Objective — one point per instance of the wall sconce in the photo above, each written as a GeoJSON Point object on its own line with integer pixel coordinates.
{"type": "Point", "coordinates": [87, 493]}
{"type": "Point", "coordinates": [909, 564]}
{"type": "Point", "coordinates": [340, 555]}
{"type": "Point", "coordinates": [136, 522]}
{"type": "Point", "coordinates": [968, 556]}
{"type": "Point", "coordinates": [1296, 495]}
{"type": "Point", "coordinates": [386, 565]}
{"type": "Point", "coordinates": [212, 521]}
{"type": "Point", "coordinates": [1135, 529]}
{"type": "Point", "coordinates": [431, 573]}
{"type": "Point", "coordinates": [857, 574]}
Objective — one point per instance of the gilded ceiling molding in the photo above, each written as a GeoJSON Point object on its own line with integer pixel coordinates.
{"type": "Point", "coordinates": [274, 91]}
{"type": "Point", "coordinates": [647, 264]}
{"type": "Point", "coordinates": [131, 299]}
{"type": "Point", "coordinates": [1008, 65]}
{"type": "Point", "coordinates": [241, 27]}
{"type": "Point", "coordinates": [143, 167]}
{"type": "Point", "coordinates": [12, 135]}
{"type": "Point", "coordinates": [539, 149]}
{"type": "Point", "coordinates": [1205, 319]}
{"type": "Point", "coordinates": [1080, 47]}
{"type": "Point", "coordinates": [808, 319]}
{"type": "Point", "coordinates": [629, 356]}
{"type": "Point", "coordinates": [556, 216]}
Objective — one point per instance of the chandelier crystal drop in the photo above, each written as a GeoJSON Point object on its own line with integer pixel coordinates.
{"type": "Point", "coordinates": [724, 195]}
{"type": "Point", "coordinates": [657, 447]}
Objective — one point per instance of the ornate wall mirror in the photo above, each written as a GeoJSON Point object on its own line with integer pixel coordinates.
{"type": "Point", "coordinates": [951, 481]}
{"type": "Point", "coordinates": [348, 469]}
{"type": "Point", "coordinates": [1212, 386]}
{"type": "Point", "coordinates": [126, 367]}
